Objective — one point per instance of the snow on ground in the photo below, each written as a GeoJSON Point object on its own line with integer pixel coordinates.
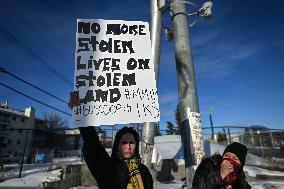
{"type": "Point", "coordinates": [32, 181]}
{"type": "Point", "coordinates": [267, 185]}
{"type": "Point", "coordinates": [12, 170]}
{"type": "Point", "coordinates": [178, 185]}
{"type": "Point", "coordinates": [253, 171]}
{"type": "Point", "coordinates": [255, 185]}
{"type": "Point", "coordinates": [66, 159]}
{"type": "Point", "coordinates": [169, 147]}
{"type": "Point", "coordinates": [166, 147]}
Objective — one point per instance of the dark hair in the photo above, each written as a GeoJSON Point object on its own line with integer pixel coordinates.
{"type": "Point", "coordinates": [118, 136]}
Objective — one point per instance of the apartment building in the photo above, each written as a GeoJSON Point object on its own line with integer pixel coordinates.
{"type": "Point", "coordinates": [12, 135]}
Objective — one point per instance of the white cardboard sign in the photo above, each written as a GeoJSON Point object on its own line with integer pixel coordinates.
{"type": "Point", "coordinates": [196, 134]}
{"type": "Point", "coordinates": [114, 73]}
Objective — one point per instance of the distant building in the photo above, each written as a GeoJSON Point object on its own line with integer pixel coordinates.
{"type": "Point", "coordinates": [71, 145]}
{"type": "Point", "coordinates": [12, 137]}
{"type": "Point", "coordinates": [13, 134]}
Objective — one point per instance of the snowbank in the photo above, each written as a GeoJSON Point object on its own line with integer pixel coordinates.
{"type": "Point", "coordinates": [167, 147]}
{"type": "Point", "coordinates": [267, 185]}
{"type": "Point", "coordinates": [32, 181]}
{"type": "Point", "coordinates": [253, 171]}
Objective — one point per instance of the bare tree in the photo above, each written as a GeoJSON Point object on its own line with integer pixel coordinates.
{"type": "Point", "coordinates": [54, 139]}
{"type": "Point", "coordinates": [54, 120]}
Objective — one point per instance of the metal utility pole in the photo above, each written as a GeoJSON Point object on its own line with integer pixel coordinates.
{"type": "Point", "coordinates": [272, 140]}
{"type": "Point", "coordinates": [188, 101]}
{"type": "Point", "coordinates": [229, 133]}
{"type": "Point", "coordinates": [212, 128]}
{"type": "Point", "coordinates": [23, 154]}
{"type": "Point", "coordinates": [148, 132]}
{"type": "Point", "coordinates": [260, 142]}
{"type": "Point", "coordinates": [30, 113]}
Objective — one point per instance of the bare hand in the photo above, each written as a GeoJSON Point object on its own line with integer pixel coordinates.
{"type": "Point", "coordinates": [74, 99]}
{"type": "Point", "coordinates": [226, 169]}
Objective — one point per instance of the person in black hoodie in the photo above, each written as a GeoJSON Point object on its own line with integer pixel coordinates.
{"type": "Point", "coordinates": [123, 169]}
{"type": "Point", "coordinates": [221, 172]}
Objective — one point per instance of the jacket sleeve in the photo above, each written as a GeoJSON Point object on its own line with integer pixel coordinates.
{"type": "Point", "coordinates": [206, 178]}
{"type": "Point", "coordinates": [94, 153]}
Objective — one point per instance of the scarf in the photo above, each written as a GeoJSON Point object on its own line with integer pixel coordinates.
{"type": "Point", "coordinates": [234, 175]}
{"type": "Point", "coordinates": [135, 177]}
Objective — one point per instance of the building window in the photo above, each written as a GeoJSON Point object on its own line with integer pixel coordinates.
{"type": "Point", "coordinates": [9, 141]}
{"type": "Point", "coordinates": [20, 131]}
{"type": "Point", "coordinates": [22, 119]}
{"type": "Point", "coordinates": [18, 141]}
{"type": "Point", "coordinates": [9, 152]}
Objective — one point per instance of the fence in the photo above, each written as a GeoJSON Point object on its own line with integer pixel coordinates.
{"type": "Point", "coordinates": [268, 143]}
{"type": "Point", "coordinates": [263, 142]}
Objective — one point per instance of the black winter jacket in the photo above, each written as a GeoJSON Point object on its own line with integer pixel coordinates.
{"type": "Point", "coordinates": [207, 175]}
{"type": "Point", "coordinates": [109, 172]}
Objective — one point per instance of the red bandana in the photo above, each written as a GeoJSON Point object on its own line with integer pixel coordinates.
{"type": "Point", "coordinates": [236, 166]}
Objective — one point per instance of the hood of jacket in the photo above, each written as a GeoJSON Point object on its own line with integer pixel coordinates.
{"type": "Point", "coordinates": [118, 136]}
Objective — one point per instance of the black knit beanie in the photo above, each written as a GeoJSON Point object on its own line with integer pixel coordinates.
{"type": "Point", "coordinates": [239, 150]}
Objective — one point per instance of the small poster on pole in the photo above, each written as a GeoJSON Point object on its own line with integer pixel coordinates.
{"type": "Point", "coordinates": [196, 135]}
{"type": "Point", "coordinates": [114, 73]}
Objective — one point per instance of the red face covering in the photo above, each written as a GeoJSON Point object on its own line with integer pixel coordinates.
{"type": "Point", "coordinates": [236, 166]}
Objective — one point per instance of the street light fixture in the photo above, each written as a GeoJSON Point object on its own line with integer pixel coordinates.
{"type": "Point", "coordinates": [205, 11]}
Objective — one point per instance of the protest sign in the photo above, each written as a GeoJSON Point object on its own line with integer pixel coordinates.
{"type": "Point", "coordinates": [114, 73]}
{"type": "Point", "coordinates": [196, 135]}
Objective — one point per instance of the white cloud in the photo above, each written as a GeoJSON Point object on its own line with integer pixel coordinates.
{"type": "Point", "coordinates": [168, 98]}
{"type": "Point", "coordinates": [201, 39]}
{"type": "Point", "coordinates": [167, 112]}
{"type": "Point", "coordinates": [220, 59]}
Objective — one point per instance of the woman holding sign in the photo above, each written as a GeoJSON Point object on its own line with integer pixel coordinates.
{"type": "Point", "coordinates": [123, 169]}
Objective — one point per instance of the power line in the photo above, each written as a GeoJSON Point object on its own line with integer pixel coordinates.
{"type": "Point", "coordinates": [5, 71]}
{"type": "Point", "coordinates": [35, 99]}
{"type": "Point", "coordinates": [30, 53]}
{"type": "Point", "coordinates": [38, 34]}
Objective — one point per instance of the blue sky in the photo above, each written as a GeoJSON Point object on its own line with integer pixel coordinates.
{"type": "Point", "coordinates": [238, 56]}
